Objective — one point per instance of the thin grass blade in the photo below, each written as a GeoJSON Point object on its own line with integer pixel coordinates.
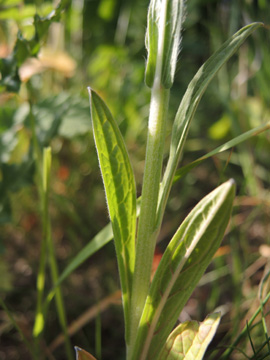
{"type": "Point", "coordinates": [226, 146]}
{"type": "Point", "coordinates": [28, 345]}
{"type": "Point", "coordinates": [182, 265]}
{"type": "Point", "coordinates": [190, 339]}
{"type": "Point", "coordinates": [190, 103]}
{"type": "Point", "coordinates": [119, 185]}
{"type": "Point", "coordinates": [263, 290]}
{"type": "Point", "coordinates": [227, 354]}
{"type": "Point", "coordinates": [40, 316]}
{"type": "Point", "coordinates": [61, 312]}
{"type": "Point", "coordinates": [94, 245]}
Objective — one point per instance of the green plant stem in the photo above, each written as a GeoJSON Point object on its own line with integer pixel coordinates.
{"type": "Point", "coordinates": [52, 260]}
{"type": "Point", "coordinates": [36, 152]}
{"type": "Point", "coordinates": [147, 231]}
{"type": "Point", "coordinates": [39, 316]}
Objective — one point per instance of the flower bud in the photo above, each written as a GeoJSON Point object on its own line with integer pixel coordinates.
{"type": "Point", "coordinates": [163, 36]}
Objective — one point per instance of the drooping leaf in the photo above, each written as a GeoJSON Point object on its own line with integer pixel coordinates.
{"type": "Point", "coordinates": [182, 265]}
{"type": "Point", "coordinates": [189, 104]}
{"type": "Point", "coordinates": [119, 185]}
{"type": "Point", "coordinates": [83, 355]}
{"type": "Point", "coordinates": [190, 339]}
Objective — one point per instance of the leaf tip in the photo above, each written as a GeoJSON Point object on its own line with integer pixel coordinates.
{"type": "Point", "coordinates": [231, 182]}
{"type": "Point", "coordinates": [89, 89]}
{"type": "Point", "coordinates": [82, 354]}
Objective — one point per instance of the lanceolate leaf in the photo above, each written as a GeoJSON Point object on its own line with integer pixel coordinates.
{"type": "Point", "coordinates": [189, 105]}
{"type": "Point", "coordinates": [183, 263]}
{"type": "Point", "coordinates": [119, 185]}
{"type": "Point", "coordinates": [190, 339]}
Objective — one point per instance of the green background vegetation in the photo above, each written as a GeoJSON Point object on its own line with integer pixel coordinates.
{"type": "Point", "coordinates": [101, 44]}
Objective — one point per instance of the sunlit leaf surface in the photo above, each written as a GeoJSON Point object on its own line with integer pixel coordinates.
{"type": "Point", "coordinates": [182, 265]}
{"type": "Point", "coordinates": [119, 185]}
{"type": "Point", "coordinates": [190, 339]}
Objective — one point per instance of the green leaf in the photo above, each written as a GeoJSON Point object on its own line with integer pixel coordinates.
{"type": "Point", "coordinates": [17, 13]}
{"type": "Point", "coordinates": [182, 265]}
{"type": "Point", "coordinates": [189, 105]}
{"type": "Point", "coordinates": [190, 339]}
{"type": "Point", "coordinates": [228, 145]}
{"type": "Point", "coordinates": [119, 185]}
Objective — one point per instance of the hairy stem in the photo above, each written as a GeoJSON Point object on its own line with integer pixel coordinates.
{"type": "Point", "coordinates": [147, 231]}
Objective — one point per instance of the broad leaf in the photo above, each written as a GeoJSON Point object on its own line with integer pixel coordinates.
{"type": "Point", "coordinates": [190, 339]}
{"type": "Point", "coordinates": [182, 265]}
{"type": "Point", "coordinates": [189, 105]}
{"type": "Point", "coordinates": [119, 185]}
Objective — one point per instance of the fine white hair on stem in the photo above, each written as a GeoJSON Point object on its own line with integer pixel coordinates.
{"type": "Point", "coordinates": [163, 39]}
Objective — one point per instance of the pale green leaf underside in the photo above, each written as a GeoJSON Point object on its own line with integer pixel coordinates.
{"type": "Point", "coordinates": [190, 103]}
{"type": "Point", "coordinates": [182, 265]}
{"type": "Point", "coordinates": [190, 339]}
{"type": "Point", "coordinates": [120, 191]}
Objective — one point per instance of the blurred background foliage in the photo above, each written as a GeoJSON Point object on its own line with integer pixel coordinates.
{"type": "Point", "coordinates": [48, 58]}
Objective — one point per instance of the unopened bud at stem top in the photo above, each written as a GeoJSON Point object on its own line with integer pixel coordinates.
{"type": "Point", "coordinates": [163, 36]}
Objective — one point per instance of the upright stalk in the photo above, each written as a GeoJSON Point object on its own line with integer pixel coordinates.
{"type": "Point", "coordinates": [39, 316]}
{"type": "Point", "coordinates": [162, 41]}
{"type": "Point", "coordinates": [47, 159]}
{"type": "Point", "coordinates": [147, 232]}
